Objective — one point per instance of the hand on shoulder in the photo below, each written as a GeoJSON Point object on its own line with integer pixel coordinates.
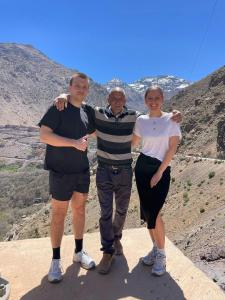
{"type": "Point", "coordinates": [176, 116]}
{"type": "Point", "coordinates": [61, 101]}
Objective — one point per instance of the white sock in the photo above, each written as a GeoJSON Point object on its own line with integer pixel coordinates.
{"type": "Point", "coordinates": [161, 251]}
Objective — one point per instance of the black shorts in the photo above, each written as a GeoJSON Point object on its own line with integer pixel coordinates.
{"type": "Point", "coordinates": [62, 186]}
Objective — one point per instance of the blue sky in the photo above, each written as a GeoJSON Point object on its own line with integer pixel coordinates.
{"type": "Point", "coordinates": [120, 38]}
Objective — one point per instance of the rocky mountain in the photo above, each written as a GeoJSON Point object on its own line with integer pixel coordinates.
{"type": "Point", "coordinates": [171, 85]}
{"type": "Point", "coordinates": [29, 83]}
{"type": "Point", "coordinates": [134, 98]}
{"type": "Point", "coordinates": [195, 210]}
{"type": "Point", "coordinates": [203, 108]}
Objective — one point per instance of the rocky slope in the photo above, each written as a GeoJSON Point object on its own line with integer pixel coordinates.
{"type": "Point", "coordinates": [193, 214]}
{"type": "Point", "coordinates": [203, 107]}
{"type": "Point", "coordinates": [29, 83]}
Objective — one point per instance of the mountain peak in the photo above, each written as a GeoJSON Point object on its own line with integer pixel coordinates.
{"type": "Point", "coordinates": [114, 81]}
{"type": "Point", "coordinates": [169, 83]}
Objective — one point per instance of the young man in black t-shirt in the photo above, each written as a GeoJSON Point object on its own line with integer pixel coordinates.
{"type": "Point", "coordinates": [65, 133]}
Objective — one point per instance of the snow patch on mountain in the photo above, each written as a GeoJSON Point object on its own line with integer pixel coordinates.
{"type": "Point", "coordinates": [170, 84]}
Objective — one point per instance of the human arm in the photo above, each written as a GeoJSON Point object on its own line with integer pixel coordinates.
{"type": "Point", "coordinates": [93, 134]}
{"type": "Point", "coordinates": [135, 140]}
{"type": "Point", "coordinates": [61, 101]}
{"type": "Point", "coordinates": [173, 143]}
{"type": "Point", "coordinates": [47, 136]}
{"type": "Point", "coordinates": [176, 116]}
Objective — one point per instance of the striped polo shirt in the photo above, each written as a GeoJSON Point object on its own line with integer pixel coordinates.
{"type": "Point", "coordinates": [114, 135]}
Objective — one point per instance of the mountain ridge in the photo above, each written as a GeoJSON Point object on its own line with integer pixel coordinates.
{"type": "Point", "coordinates": [30, 81]}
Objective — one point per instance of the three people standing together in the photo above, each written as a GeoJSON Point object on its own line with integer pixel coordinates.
{"type": "Point", "coordinates": [114, 126]}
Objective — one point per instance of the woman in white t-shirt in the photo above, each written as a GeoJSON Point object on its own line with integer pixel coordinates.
{"type": "Point", "coordinates": [159, 137]}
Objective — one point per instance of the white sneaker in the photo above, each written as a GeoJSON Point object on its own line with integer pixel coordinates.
{"type": "Point", "coordinates": [84, 259]}
{"type": "Point", "coordinates": [149, 259]}
{"type": "Point", "coordinates": [55, 272]}
{"type": "Point", "coordinates": [159, 267]}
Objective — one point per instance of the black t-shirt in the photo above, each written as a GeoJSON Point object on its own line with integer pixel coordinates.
{"type": "Point", "coordinates": [74, 123]}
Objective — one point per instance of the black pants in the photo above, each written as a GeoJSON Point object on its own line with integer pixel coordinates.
{"type": "Point", "coordinates": [151, 199]}
{"type": "Point", "coordinates": [113, 182]}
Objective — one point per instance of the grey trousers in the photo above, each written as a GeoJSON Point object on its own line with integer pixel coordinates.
{"type": "Point", "coordinates": [111, 182]}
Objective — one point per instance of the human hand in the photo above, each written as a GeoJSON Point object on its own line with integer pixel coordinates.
{"type": "Point", "coordinates": [155, 179]}
{"type": "Point", "coordinates": [81, 144]}
{"type": "Point", "coordinates": [61, 102]}
{"type": "Point", "coordinates": [177, 116]}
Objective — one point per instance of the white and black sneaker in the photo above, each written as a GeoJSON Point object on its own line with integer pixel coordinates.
{"type": "Point", "coordinates": [55, 273]}
{"type": "Point", "coordinates": [149, 259]}
{"type": "Point", "coordinates": [84, 259]}
{"type": "Point", "coordinates": [159, 266]}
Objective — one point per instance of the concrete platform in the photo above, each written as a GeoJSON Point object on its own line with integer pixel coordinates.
{"type": "Point", "coordinates": [25, 264]}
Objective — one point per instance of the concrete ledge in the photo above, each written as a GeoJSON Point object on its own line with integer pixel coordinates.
{"type": "Point", "coordinates": [25, 264]}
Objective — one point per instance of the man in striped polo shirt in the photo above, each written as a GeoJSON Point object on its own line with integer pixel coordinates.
{"type": "Point", "coordinates": [114, 128]}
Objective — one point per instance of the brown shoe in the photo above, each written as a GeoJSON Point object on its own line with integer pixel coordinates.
{"type": "Point", "coordinates": [118, 247]}
{"type": "Point", "coordinates": [105, 263]}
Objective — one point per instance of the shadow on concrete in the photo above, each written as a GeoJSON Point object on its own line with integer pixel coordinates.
{"type": "Point", "coordinates": [4, 295]}
{"type": "Point", "coordinates": [119, 283]}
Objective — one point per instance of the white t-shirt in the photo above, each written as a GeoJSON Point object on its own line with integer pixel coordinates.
{"type": "Point", "coordinates": [155, 133]}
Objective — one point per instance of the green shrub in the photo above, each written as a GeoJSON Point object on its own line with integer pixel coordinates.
{"type": "Point", "coordinates": [211, 174]}
{"type": "Point", "coordinates": [185, 195]}
{"type": "Point", "coordinates": [189, 183]}
{"type": "Point", "coordinates": [200, 183]}
{"type": "Point", "coordinates": [9, 168]}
